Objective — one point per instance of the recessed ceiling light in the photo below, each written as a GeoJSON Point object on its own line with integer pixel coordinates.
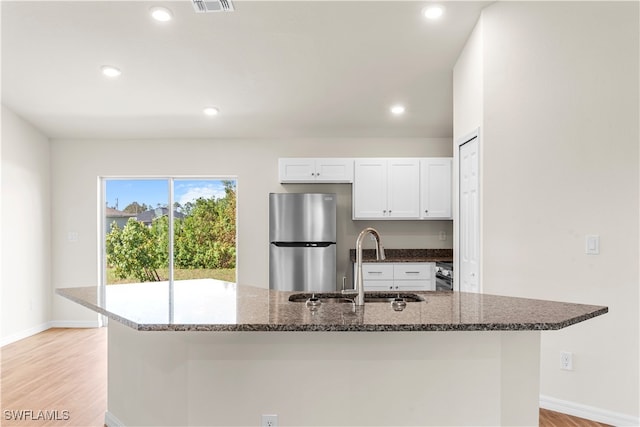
{"type": "Point", "coordinates": [161, 14]}
{"type": "Point", "coordinates": [211, 111]}
{"type": "Point", "coordinates": [110, 71]}
{"type": "Point", "coordinates": [433, 11]}
{"type": "Point", "coordinates": [398, 109]}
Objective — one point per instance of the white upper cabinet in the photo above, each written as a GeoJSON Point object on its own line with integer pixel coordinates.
{"type": "Point", "coordinates": [403, 188]}
{"type": "Point", "coordinates": [383, 188]}
{"type": "Point", "coordinates": [386, 188]}
{"type": "Point", "coordinates": [310, 170]}
{"type": "Point", "coordinates": [436, 188]}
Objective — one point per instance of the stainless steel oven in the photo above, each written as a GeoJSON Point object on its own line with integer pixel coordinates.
{"type": "Point", "coordinates": [444, 276]}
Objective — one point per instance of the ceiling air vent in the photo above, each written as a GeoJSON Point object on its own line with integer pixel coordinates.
{"type": "Point", "coordinates": [204, 6]}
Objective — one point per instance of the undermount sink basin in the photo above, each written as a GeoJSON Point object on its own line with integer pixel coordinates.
{"type": "Point", "coordinates": [337, 298]}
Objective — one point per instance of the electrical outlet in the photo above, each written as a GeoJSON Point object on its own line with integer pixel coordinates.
{"type": "Point", "coordinates": [566, 361]}
{"type": "Point", "coordinates": [442, 235]}
{"type": "Point", "coordinates": [269, 420]}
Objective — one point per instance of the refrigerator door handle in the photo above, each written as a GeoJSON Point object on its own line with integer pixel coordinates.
{"type": "Point", "coordinates": [303, 244]}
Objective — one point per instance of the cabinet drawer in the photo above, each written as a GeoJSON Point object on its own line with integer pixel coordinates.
{"type": "Point", "coordinates": [377, 271]}
{"type": "Point", "coordinates": [412, 271]}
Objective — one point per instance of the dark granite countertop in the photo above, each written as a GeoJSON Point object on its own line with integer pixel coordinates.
{"type": "Point", "coordinates": [212, 305]}
{"type": "Point", "coordinates": [405, 255]}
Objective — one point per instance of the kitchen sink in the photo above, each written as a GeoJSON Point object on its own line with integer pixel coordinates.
{"type": "Point", "coordinates": [338, 298]}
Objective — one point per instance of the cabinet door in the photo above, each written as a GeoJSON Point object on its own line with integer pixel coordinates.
{"type": "Point", "coordinates": [379, 285]}
{"type": "Point", "coordinates": [435, 198]}
{"type": "Point", "coordinates": [414, 285]}
{"type": "Point", "coordinates": [334, 170]}
{"type": "Point", "coordinates": [369, 189]}
{"type": "Point", "coordinates": [403, 189]}
{"type": "Point", "coordinates": [297, 170]}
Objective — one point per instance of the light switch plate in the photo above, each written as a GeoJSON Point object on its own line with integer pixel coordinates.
{"type": "Point", "coordinates": [592, 245]}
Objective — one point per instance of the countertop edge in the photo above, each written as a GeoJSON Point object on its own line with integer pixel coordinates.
{"type": "Point", "coordinates": [264, 327]}
{"type": "Point", "coordinates": [98, 309]}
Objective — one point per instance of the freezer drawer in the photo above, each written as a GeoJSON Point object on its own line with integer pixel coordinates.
{"type": "Point", "coordinates": [304, 269]}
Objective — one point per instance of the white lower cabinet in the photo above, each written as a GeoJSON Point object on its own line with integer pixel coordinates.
{"type": "Point", "coordinates": [400, 276]}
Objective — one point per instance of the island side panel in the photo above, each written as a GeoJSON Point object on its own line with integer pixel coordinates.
{"type": "Point", "coordinates": [331, 378]}
{"type": "Point", "coordinates": [520, 378]}
{"type": "Point", "coordinates": [347, 379]}
{"type": "Point", "coordinates": [147, 378]}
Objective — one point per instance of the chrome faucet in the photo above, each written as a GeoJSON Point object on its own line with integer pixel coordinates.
{"type": "Point", "coordinates": [358, 285]}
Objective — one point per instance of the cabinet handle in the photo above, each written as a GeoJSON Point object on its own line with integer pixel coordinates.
{"type": "Point", "coordinates": [391, 287]}
{"type": "Point", "coordinates": [412, 272]}
{"type": "Point", "coordinates": [374, 272]}
{"type": "Point", "coordinates": [317, 173]}
{"type": "Point", "coordinates": [426, 211]}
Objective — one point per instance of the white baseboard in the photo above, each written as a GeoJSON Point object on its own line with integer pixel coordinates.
{"type": "Point", "coordinates": [74, 324]}
{"type": "Point", "coordinates": [111, 420]}
{"type": "Point", "coordinates": [48, 325]}
{"type": "Point", "coordinates": [588, 412]}
{"type": "Point", "coordinates": [24, 334]}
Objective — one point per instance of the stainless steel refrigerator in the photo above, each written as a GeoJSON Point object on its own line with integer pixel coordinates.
{"type": "Point", "coordinates": [302, 237]}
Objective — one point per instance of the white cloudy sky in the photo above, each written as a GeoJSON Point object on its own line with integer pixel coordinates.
{"type": "Point", "coordinates": [193, 193]}
{"type": "Point", "coordinates": [194, 190]}
{"type": "Point", "coordinates": [155, 192]}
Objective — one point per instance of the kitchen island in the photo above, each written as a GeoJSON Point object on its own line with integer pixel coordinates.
{"type": "Point", "coordinates": [215, 353]}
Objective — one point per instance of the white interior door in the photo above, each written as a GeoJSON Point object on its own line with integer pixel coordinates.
{"type": "Point", "coordinates": [469, 250]}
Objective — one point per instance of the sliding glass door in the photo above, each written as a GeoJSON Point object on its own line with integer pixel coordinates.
{"type": "Point", "coordinates": [166, 229]}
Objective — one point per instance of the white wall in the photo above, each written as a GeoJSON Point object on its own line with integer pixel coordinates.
{"type": "Point", "coordinates": [468, 112]}
{"type": "Point", "coordinates": [76, 166]}
{"type": "Point", "coordinates": [26, 228]}
{"type": "Point", "coordinates": [468, 85]}
{"type": "Point", "coordinates": [560, 160]}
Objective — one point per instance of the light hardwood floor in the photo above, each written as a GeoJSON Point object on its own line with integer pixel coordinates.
{"type": "Point", "coordinates": [56, 370]}
{"type": "Point", "coordinates": [66, 370]}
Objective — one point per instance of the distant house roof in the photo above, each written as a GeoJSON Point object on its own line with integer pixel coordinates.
{"type": "Point", "coordinates": [115, 213]}
{"type": "Point", "coordinates": [147, 217]}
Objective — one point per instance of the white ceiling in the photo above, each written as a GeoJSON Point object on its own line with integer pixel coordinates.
{"type": "Point", "coordinates": [273, 68]}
